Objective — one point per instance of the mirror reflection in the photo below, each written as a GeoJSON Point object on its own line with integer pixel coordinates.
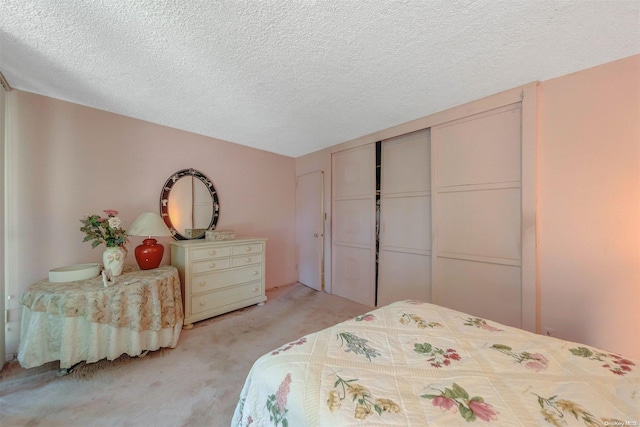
{"type": "Point", "coordinates": [189, 204]}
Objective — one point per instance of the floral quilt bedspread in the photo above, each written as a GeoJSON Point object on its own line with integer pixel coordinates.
{"type": "Point", "coordinates": [416, 364]}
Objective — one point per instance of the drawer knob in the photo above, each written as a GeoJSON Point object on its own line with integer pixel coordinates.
{"type": "Point", "coordinates": [202, 303]}
{"type": "Point", "coordinates": [248, 259]}
{"type": "Point", "coordinates": [212, 252]}
{"type": "Point", "coordinates": [202, 284]}
{"type": "Point", "coordinates": [248, 249]}
{"type": "Point", "coordinates": [212, 265]}
{"type": "Point", "coordinates": [255, 289]}
{"type": "Point", "coordinates": [255, 273]}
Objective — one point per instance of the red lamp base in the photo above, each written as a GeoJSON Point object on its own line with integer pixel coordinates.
{"type": "Point", "coordinates": [149, 254]}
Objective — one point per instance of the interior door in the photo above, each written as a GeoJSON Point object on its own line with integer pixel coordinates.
{"type": "Point", "coordinates": [309, 228]}
{"type": "Point", "coordinates": [353, 240]}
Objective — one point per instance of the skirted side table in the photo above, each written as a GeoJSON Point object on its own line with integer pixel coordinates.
{"type": "Point", "coordinates": [85, 321]}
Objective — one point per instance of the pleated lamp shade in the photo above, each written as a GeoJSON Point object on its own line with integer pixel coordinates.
{"type": "Point", "coordinates": [149, 253]}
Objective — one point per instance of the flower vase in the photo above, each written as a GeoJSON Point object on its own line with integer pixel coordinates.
{"type": "Point", "coordinates": [113, 259]}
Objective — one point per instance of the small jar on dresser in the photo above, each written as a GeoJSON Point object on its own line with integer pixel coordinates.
{"type": "Point", "coordinates": [219, 276]}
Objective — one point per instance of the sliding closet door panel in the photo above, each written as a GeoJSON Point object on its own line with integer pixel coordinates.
{"type": "Point", "coordinates": [406, 164]}
{"type": "Point", "coordinates": [405, 218]}
{"type": "Point", "coordinates": [406, 222]}
{"type": "Point", "coordinates": [481, 289]}
{"type": "Point", "coordinates": [483, 222]}
{"type": "Point", "coordinates": [482, 150]}
{"type": "Point", "coordinates": [477, 206]}
{"type": "Point", "coordinates": [353, 224]}
{"type": "Point", "coordinates": [354, 276]}
{"type": "Point", "coordinates": [405, 275]}
{"type": "Point", "coordinates": [352, 173]}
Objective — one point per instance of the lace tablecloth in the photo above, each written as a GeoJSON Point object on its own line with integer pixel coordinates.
{"type": "Point", "coordinates": [85, 321]}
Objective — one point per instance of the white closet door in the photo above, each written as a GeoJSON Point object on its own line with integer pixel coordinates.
{"type": "Point", "coordinates": [353, 224]}
{"type": "Point", "coordinates": [477, 226]}
{"type": "Point", "coordinates": [310, 228]}
{"type": "Point", "coordinates": [405, 219]}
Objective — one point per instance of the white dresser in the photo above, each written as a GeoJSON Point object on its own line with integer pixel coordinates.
{"type": "Point", "coordinates": [218, 277]}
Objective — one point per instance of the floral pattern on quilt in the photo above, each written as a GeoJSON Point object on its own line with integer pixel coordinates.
{"type": "Point", "coordinates": [558, 412]}
{"type": "Point", "coordinates": [367, 317]}
{"type": "Point", "coordinates": [534, 361]}
{"type": "Point", "coordinates": [437, 357]}
{"type": "Point", "coordinates": [613, 362]}
{"type": "Point", "coordinates": [481, 324]}
{"type": "Point", "coordinates": [457, 399]}
{"type": "Point", "coordinates": [407, 318]}
{"type": "Point", "coordinates": [277, 403]}
{"type": "Point", "coordinates": [357, 345]}
{"type": "Point", "coordinates": [365, 404]}
{"type": "Point", "coordinates": [289, 346]}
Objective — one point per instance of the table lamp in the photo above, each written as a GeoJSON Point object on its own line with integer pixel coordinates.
{"type": "Point", "coordinates": [149, 253]}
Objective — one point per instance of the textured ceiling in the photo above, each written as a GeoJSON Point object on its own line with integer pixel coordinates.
{"type": "Point", "coordinates": [296, 76]}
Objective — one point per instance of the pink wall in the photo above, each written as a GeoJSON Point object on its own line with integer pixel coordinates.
{"type": "Point", "coordinates": [66, 160]}
{"type": "Point", "coordinates": [589, 206]}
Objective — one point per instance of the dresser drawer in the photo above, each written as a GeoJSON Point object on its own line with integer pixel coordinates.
{"type": "Point", "coordinates": [211, 300]}
{"type": "Point", "coordinates": [246, 260]}
{"type": "Point", "coordinates": [207, 253]}
{"type": "Point", "coordinates": [246, 249]}
{"type": "Point", "coordinates": [211, 265]}
{"type": "Point", "coordinates": [224, 278]}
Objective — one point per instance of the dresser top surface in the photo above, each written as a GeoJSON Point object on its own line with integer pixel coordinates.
{"type": "Point", "coordinates": [201, 242]}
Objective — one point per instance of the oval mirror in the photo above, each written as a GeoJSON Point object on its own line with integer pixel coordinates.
{"type": "Point", "coordinates": [189, 204]}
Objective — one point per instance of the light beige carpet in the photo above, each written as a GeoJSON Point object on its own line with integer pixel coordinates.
{"type": "Point", "coordinates": [195, 384]}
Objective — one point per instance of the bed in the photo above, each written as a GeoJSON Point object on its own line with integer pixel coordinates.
{"type": "Point", "coordinates": [417, 364]}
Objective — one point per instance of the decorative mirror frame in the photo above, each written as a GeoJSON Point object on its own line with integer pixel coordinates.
{"type": "Point", "coordinates": [164, 201]}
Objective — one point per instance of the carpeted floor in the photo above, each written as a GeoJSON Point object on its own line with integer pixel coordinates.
{"type": "Point", "coordinates": [195, 384]}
